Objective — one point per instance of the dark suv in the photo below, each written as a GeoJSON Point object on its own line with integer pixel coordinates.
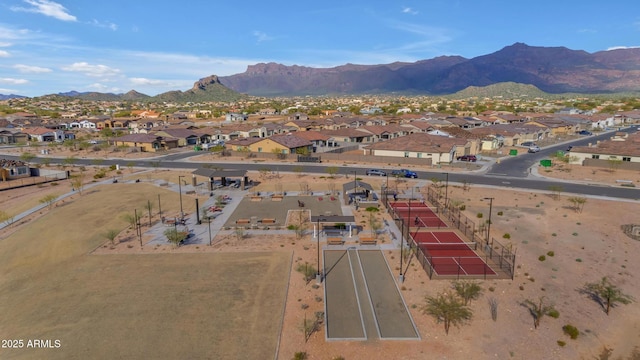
{"type": "Point", "coordinates": [471, 158]}
{"type": "Point", "coordinates": [404, 173]}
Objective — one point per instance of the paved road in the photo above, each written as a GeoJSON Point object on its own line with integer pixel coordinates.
{"type": "Point", "coordinates": [509, 173]}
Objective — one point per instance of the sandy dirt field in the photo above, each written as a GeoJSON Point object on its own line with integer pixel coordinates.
{"type": "Point", "coordinates": [585, 245]}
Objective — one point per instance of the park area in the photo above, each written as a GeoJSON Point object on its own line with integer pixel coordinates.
{"type": "Point", "coordinates": [246, 298]}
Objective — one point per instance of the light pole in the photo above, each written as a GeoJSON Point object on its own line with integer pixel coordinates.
{"type": "Point", "coordinates": [446, 190]}
{"type": "Point", "coordinates": [180, 191]}
{"type": "Point", "coordinates": [401, 277]}
{"type": "Point", "coordinates": [318, 275]}
{"type": "Point", "coordinates": [209, 220]}
{"type": "Point", "coordinates": [489, 226]}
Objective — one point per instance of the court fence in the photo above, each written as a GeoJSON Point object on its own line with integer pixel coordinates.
{"type": "Point", "coordinates": [499, 260]}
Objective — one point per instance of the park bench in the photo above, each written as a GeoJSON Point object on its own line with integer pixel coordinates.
{"type": "Point", "coordinates": [256, 198]}
{"type": "Point", "coordinates": [243, 221]}
{"type": "Point", "coordinates": [277, 198]}
{"type": "Point", "coordinates": [335, 241]}
{"type": "Point", "coordinates": [367, 240]}
{"type": "Point", "coordinates": [268, 221]}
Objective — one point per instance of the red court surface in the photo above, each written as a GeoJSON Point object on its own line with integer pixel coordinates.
{"type": "Point", "coordinates": [418, 214]}
{"type": "Point", "coordinates": [449, 255]}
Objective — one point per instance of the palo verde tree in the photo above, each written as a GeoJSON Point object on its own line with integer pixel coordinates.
{"type": "Point", "coordinates": [467, 290]}
{"type": "Point", "coordinates": [448, 308]}
{"type": "Point", "coordinates": [332, 171]}
{"type": "Point", "coordinates": [27, 156]}
{"type": "Point", "coordinates": [175, 236]}
{"type": "Point", "coordinates": [374, 224]}
{"type": "Point", "coordinates": [577, 203]}
{"type": "Point", "coordinates": [49, 200]}
{"type": "Point", "coordinates": [606, 294]}
{"type": "Point", "coordinates": [111, 234]}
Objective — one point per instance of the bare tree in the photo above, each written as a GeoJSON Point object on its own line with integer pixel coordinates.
{"type": "Point", "coordinates": [556, 190]}
{"type": "Point", "coordinates": [537, 309]}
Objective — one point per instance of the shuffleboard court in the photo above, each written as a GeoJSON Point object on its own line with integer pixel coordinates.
{"type": "Point", "coordinates": [342, 308]}
{"type": "Point", "coordinates": [390, 310]}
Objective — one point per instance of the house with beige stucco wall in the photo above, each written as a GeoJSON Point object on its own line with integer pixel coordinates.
{"type": "Point", "coordinates": [433, 148]}
{"type": "Point", "coordinates": [281, 144]}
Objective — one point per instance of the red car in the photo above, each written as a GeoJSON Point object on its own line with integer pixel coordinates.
{"type": "Point", "coordinates": [471, 158]}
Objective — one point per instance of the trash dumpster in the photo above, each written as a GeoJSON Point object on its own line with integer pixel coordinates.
{"type": "Point", "coordinates": [513, 152]}
{"type": "Point", "coordinates": [545, 163]}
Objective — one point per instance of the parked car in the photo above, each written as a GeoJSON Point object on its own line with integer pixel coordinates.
{"type": "Point", "coordinates": [471, 158]}
{"type": "Point", "coordinates": [528, 144]}
{"type": "Point", "coordinates": [376, 172]}
{"type": "Point", "coordinates": [404, 173]}
{"type": "Point", "coordinates": [533, 149]}
{"type": "Point", "coordinates": [585, 133]}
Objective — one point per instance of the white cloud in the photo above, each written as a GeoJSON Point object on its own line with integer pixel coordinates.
{"type": "Point", "coordinates": [148, 82]}
{"type": "Point", "coordinates": [106, 24]}
{"type": "Point", "coordinates": [7, 91]}
{"type": "Point", "coordinates": [622, 47]}
{"type": "Point", "coordinates": [4, 53]}
{"type": "Point", "coordinates": [13, 81]}
{"type": "Point", "coordinates": [12, 34]}
{"type": "Point", "coordinates": [47, 8]}
{"type": "Point", "coordinates": [28, 69]}
{"type": "Point", "coordinates": [103, 88]}
{"type": "Point", "coordinates": [91, 70]}
{"type": "Point", "coordinates": [5, 44]}
{"type": "Point", "coordinates": [410, 11]}
{"type": "Point", "coordinates": [260, 36]}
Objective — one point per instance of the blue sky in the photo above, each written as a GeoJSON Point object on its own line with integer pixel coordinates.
{"type": "Point", "coordinates": [155, 46]}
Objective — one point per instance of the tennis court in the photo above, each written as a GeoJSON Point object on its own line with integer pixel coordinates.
{"type": "Point", "coordinates": [417, 214]}
{"type": "Point", "coordinates": [448, 254]}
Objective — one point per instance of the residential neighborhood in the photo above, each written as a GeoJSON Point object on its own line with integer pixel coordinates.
{"type": "Point", "coordinates": [435, 138]}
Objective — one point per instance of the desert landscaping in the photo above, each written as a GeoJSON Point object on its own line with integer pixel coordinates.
{"type": "Point", "coordinates": [243, 297]}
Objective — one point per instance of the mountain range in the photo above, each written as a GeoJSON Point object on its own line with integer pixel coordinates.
{"type": "Point", "coordinates": [553, 70]}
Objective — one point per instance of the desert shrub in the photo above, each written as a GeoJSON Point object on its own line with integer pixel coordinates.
{"type": "Point", "coordinates": [578, 260]}
{"type": "Point", "coordinates": [300, 355]}
{"type": "Point", "coordinates": [479, 215]}
{"type": "Point", "coordinates": [550, 253]}
{"type": "Point", "coordinates": [571, 330]}
{"type": "Point", "coordinates": [506, 236]}
{"type": "Point", "coordinates": [542, 258]}
{"type": "Point", "coordinates": [561, 343]}
{"type": "Point", "coordinates": [554, 313]}
{"type": "Point", "coordinates": [500, 213]}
